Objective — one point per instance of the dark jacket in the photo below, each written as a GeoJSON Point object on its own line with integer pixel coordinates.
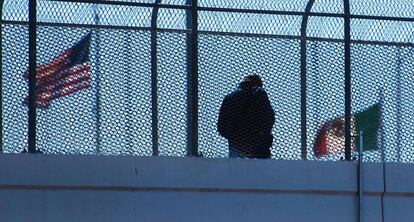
{"type": "Point", "coordinates": [246, 119]}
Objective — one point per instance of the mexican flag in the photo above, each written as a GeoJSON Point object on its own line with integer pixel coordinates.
{"type": "Point", "coordinates": [330, 137]}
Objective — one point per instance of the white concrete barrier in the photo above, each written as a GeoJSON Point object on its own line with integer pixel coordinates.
{"type": "Point", "coordinates": [120, 188]}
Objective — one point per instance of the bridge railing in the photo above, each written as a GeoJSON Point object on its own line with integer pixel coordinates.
{"type": "Point", "coordinates": [148, 77]}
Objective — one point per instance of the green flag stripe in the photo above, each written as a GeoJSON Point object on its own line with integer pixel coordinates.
{"type": "Point", "coordinates": [367, 121]}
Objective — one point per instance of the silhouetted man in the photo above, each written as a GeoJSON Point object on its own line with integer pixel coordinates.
{"type": "Point", "coordinates": [246, 119]}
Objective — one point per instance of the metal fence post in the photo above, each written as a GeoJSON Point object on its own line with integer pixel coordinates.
{"type": "Point", "coordinates": [1, 76]}
{"type": "Point", "coordinates": [347, 60]}
{"type": "Point", "coordinates": [192, 80]}
{"type": "Point", "coordinates": [303, 79]}
{"type": "Point", "coordinates": [32, 78]}
{"type": "Point", "coordinates": [154, 79]}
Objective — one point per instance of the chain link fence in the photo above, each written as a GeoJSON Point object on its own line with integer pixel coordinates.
{"type": "Point", "coordinates": [138, 91]}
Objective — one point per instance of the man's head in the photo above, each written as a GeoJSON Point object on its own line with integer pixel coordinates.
{"type": "Point", "coordinates": [253, 80]}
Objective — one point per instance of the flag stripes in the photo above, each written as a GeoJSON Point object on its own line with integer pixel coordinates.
{"type": "Point", "coordinates": [65, 74]}
{"type": "Point", "coordinates": [330, 137]}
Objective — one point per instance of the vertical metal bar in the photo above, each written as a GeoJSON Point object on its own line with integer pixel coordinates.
{"type": "Point", "coordinates": [192, 79]}
{"type": "Point", "coordinates": [360, 178]}
{"type": "Point", "coordinates": [1, 76]}
{"type": "Point", "coordinates": [303, 79]}
{"type": "Point", "coordinates": [154, 79]}
{"type": "Point", "coordinates": [32, 78]}
{"type": "Point", "coordinates": [347, 55]}
{"type": "Point", "coordinates": [98, 82]}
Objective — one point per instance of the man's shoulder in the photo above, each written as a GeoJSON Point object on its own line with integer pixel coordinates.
{"type": "Point", "coordinates": [244, 93]}
{"type": "Point", "coordinates": [233, 94]}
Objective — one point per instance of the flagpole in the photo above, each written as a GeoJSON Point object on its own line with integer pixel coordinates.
{"type": "Point", "coordinates": [382, 141]}
{"type": "Point", "coordinates": [360, 178]}
{"type": "Point", "coordinates": [129, 126]}
{"type": "Point", "coordinates": [98, 81]}
{"type": "Point", "coordinates": [399, 63]}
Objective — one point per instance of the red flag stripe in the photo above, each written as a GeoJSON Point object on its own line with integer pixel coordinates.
{"type": "Point", "coordinates": [330, 138]}
{"type": "Point", "coordinates": [61, 59]}
{"type": "Point", "coordinates": [71, 89]}
{"type": "Point", "coordinates": [47, 70]}
{"type": "Point", "coordinates": [75, 72]}
{"type": "Point", "coordinates": [75, 76]}
{"type": "Point", "coordinates": [320, 146]}
{"type": "Point", "coordinates": [63, 85]}
{"type": "Point", "coordinates": [62, 74]}
{"type": "Point", "coordinates": [43, 100]}
{"type": "Point", "coordinates": [66, 82]}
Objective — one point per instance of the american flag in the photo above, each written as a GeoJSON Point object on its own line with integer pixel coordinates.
{"type": "Point", "coordinates": [63, 75]}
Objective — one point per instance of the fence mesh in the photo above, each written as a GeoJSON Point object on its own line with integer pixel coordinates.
{"type": "Point", "coordinates": [113, 115]}
{"type": "Point", "coordinates": [14, 87]}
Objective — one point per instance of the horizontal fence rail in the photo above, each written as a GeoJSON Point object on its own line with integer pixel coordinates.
{"type": "Point", "coordinates": [148, 77]}
{"type": "Point", "coordinates": [236, 10]}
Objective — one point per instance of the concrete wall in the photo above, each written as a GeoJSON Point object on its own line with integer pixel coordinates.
{"type": "Point", "coordinates": [107, 188]}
